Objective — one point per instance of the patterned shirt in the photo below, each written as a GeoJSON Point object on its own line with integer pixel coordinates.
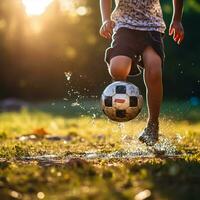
{"type": "Point", "coordinates": [145, 15]}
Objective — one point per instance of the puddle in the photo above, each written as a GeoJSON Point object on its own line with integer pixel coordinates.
{"type": "Point", "coordinates": [42, 157]}
{"type": "Point", "coordinates": [91, 156]}
{"type": "Point", "coordinates": [131, 149]}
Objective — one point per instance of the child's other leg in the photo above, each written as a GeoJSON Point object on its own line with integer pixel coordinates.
{"type": "Point", "coordinates": [120, 67]}
{"type": "Point", "coordinates": [153, 82]}
{"type": "Point", "coordinates": [154, 92]}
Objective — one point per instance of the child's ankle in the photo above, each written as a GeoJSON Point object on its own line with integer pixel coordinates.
{"type": "Point", "coordinates": [153, 121]}
{"type": "Point", "coordinates": [153, 124]}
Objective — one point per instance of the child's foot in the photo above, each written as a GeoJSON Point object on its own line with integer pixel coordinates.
{"type": "Point", "coordinates": [149, 135]}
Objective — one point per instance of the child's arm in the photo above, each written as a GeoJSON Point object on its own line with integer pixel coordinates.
{"type": "Point", "coordinates": [107, 24]}
{"type": "Point", "coordinates": [176, 28]}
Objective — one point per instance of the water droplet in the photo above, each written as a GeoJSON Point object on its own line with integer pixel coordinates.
{"type": "Point", "coordinates": [143, 195]}
{"type": "Point", "coordinates": [75, 104]}
{"type": "Point", "coordinates": [15, 195]}
{"type": "Point", "coordinates": [40, 195]}
{"type": "Point", "coordinates": [68, 75]}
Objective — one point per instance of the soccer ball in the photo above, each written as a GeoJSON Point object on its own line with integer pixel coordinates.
{"type": "Point", "coordinates": [121, 101]}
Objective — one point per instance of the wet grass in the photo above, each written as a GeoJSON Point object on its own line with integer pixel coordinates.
{"type": "Point", "coordinates": [26, 172]}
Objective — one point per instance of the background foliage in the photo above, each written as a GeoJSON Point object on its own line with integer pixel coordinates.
{"type": "Point", "coordinates": [37, 51]}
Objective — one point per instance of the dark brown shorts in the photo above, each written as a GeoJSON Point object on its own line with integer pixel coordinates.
{"type": "Point", "coordinates": [131, 43]}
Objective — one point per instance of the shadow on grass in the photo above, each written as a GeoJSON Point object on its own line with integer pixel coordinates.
{"type": "Point", "coordinates": [119, 179]}
{"type": "Point", "coordinates": [172, 179]}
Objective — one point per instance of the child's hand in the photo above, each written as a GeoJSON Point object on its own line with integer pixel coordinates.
{"type": "Point", "coordinates": [106, 29]}
{"type": "Point", "coordinates": [177, 31]}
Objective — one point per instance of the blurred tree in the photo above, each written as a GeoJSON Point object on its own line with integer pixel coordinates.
{"type": "Point", "coordinates": [36, 51]}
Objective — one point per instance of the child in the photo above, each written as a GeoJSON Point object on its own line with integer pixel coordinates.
{"type": "Point", "coordinates": [139, 28]}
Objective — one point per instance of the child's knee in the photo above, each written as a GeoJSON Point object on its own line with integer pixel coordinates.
{"type": "Point", "coordinates": [118, 72]}
{"type": "Point", "coordinates": [154, 72]}
{"type": "Point", "coordinates": [119, 68]}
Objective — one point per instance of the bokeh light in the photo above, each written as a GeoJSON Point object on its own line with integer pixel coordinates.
{"type": "Point", "coordinates": [68, 5]}
{"type": "Point", "coordinates": [81, 11]}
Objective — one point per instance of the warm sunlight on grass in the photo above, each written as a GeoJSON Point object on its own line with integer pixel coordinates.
{"type": "Point", "coordinates": [85, 157]}
{"type": "Point", "coordinates": [35, 7]}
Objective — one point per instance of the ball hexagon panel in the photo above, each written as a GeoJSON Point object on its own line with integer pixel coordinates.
{"type": "Point", "coordinates": [132, 90]}
{"type": "Point", "coordinates": [110, 112]}
{"type": "Point", "coordinates": [110, 90]}
{"type": "Point", "coordinates": [132, 112]}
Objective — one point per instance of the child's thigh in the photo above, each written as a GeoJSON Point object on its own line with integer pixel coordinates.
{"type": "Point", "coordinates": [151, 59]}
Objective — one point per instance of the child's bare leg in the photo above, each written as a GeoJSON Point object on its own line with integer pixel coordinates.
{"type": "Point", "coordinates": [154, 88]}
{"type": "Point", "coordinates": [153, 82]}
{"type": "Point", "coordinates": [120, 67]}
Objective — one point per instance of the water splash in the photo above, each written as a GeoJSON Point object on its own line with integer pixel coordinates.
{"type": "Point", "coordinates": [78, 99]}
{"type": "Point", "coordinates": [75, 104]}
{"type": "Point", "coordinates": [164, 146]}
{"type": "Point", "coordinates": [68, 75]}
{"type": "Point", "coordinates": [130, 144]}
{"type": "Point", "coordinates": [121, 128]}
{"type": "Point", "coordinates": [93, 121]}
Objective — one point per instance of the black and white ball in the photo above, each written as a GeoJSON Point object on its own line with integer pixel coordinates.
{"type": "Point", "coordinates": [121, 101]}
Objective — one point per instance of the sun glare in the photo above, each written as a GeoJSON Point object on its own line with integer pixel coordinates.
{"type": "Point", "coordinates": [36, 7]}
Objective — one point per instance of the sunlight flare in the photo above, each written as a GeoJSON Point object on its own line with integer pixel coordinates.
{"type": "Point", "coordinates": [35, 7]}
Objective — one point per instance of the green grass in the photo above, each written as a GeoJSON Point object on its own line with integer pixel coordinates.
{"type": "Point", "coordinates": [79, 178]}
